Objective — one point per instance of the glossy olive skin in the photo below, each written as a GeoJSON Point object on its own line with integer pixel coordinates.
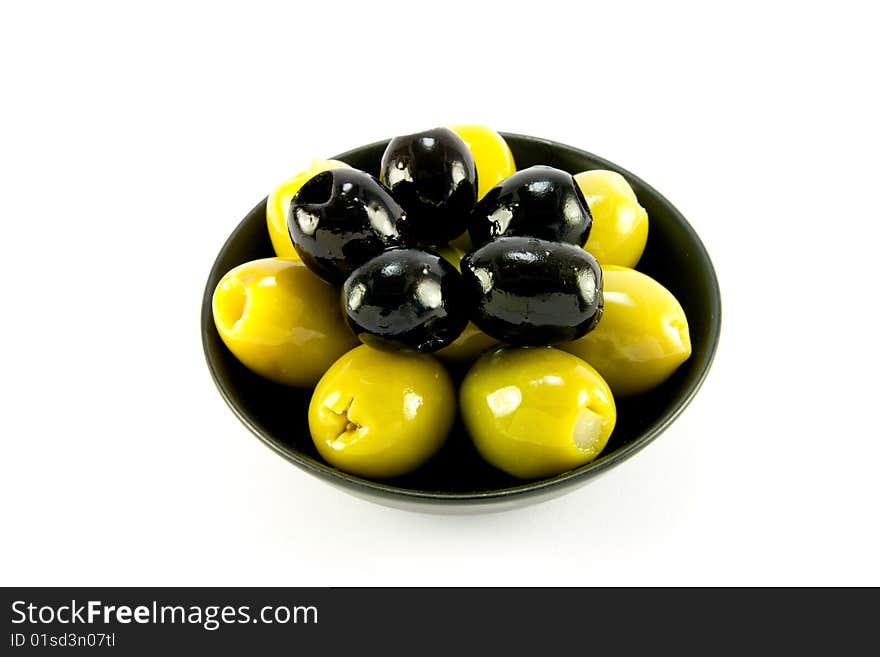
{"type": "Point", "coordinates": [406, 299]}
{"type": "Point", "coordinates": [538, 202]}
{"type": "Point", "coordinates": [280, 320]}
{"type": "Point", "coordinates": [492, 156]}
{"type": "Point", "coordinates": [278, 203]}
{"type": "Point", "coordinates": [381, 414]}
{"type": "Point", "coordinates": [536, 411]}
{"type": "Point", "coordinates": [494, 161]}
{"type": "Point", "coordinates": [644, 335]}
{"type": "Point", "coordinates": [620, 223]}
{"type": "Point", "coordinates": [340, 219]}
{"type": "Point", "coordinates": [533, 292]}
{"type": "Point", "coordinates": [433, 176]}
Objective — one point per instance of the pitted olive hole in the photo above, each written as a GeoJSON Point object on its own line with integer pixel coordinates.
{"type": "Point", "coordinates": [351, 430]}
{"type": "Point", "coordinates": [316, 191]}
{"type": "Point", "coordinates": [231, 304]}
{"type": "Point", "coordinates": [350, 427]}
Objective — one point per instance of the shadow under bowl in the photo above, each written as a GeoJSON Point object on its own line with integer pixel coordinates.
{"type": "Point", "coordinates": [457, 479]}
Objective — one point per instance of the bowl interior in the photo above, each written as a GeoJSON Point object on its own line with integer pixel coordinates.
{"type": "Point", "coordinates": [674, 256]}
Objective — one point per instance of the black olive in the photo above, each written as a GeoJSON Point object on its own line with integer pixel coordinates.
{"type": "Point", "coordinates": [406, 299]}
{"type": "Point", "coordinates": [533, 291]}
{"type": "Point", "coordinates": [340, 219]}
{"type": "Point", "coordinates": [538, 202]}
{"type": "Point", "coordinates": [433, 176]}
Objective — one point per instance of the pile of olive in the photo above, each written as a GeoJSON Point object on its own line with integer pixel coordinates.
{"type": "Point", "coordinates": [453, 256]}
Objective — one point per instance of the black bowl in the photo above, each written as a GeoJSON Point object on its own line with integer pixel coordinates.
{"type": "Point", "coordinates": [457, 478]}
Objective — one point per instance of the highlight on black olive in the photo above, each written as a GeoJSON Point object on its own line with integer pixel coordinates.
{"type": "Point", "coordinates": [532, 291]}
{"type": "Point", "coordinates": [433, 176]}
{"type": "Point", "coordinates": [340, 219]}
{"type": "Point", "coordinates": [540, 201]}
{"type": "Point", "coordinates": [406, 299]}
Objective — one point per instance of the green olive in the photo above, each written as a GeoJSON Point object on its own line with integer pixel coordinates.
{"type": "Point", "coordinates": [381, 414]}
{"type": "Point", "coordinates": [494, 163]}
{"type": "Point", "coordinates": [643, 336]}
{"type": "Point", "coordinates": [620, 224]}
{"type": "Point", "coordinates": [536, 411]}
{"type": "Point", "coordinates": [280, 320]}
{"type": "Point", "coordinates": [491, 154]}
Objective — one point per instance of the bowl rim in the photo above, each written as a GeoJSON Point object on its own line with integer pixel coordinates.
{"type": "Point", "coordinates": [527, 488]}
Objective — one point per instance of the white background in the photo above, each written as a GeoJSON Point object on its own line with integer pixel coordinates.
{"type": "Point", "coordinates": [133, 140]}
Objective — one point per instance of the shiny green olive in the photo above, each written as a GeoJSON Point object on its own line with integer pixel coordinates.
{"type": "Point", "coordinates": [492, 155]}
{"type": "Point", "coordinates": [381, 414]}
{"type": "Point", "coordinates": [620, 224]}
{"type": "Point", "coordinates": [536, 411]}
{"type": "Point", "coordinates": [280, 320]}
{"type": "Point", "coordinates": [494, 162]}
{"type": "Point", "coordinates": [643, 336]}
